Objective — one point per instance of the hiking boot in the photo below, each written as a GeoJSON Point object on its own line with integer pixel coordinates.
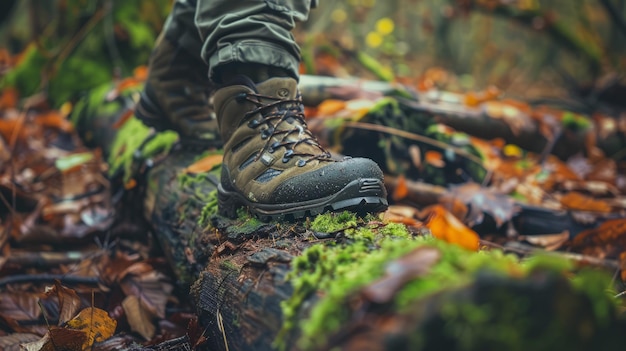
{"type": "Point", "coordinates": [275, 167]}
{"type": "Point", "coordinates": [176, 96]}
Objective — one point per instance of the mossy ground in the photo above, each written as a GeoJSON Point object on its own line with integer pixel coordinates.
{"type": "Point", "coordinates": [134, 141]}
{"type": "Point", "coordinates": [335, 270]}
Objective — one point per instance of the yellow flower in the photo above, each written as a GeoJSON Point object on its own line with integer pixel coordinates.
{"type": "Point", "coordinates": [373, 39]}
{"type": "Point", "coordinates": [339, 15]}
{"type": "Point", "coordinates": [384, 26]}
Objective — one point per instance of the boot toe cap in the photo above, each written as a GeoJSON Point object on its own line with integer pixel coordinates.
{"type": "Point", "coordinates": [327, 180]}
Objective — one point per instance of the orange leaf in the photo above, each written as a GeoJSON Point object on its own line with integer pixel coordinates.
{"type": "Point", "coordinates": [204, 164]}
{"type": "Point", "coordinates": [53, 119]}
{"type": "Point", "coordinates": [434, 158]}
{"type": "Point", "coordinates": [401, 190]}
{"type": "Point", "coordinates": [127, 83]}
{"type": "Point", "coordinates": [9, 98]}
{"type": "Point", "coordinates": [443, 225]}
{"type": "Point", "coordinates": [141, 72]}
{"type": "Point", "coordinates": [577, 201]}
{"type": "Point", "coordinates": [330, 107]}
{"type": "Point", "coordinates": [95, 323]}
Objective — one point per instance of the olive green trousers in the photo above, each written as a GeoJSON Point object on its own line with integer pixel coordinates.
{"type": "Point", "coordinates": [239, 31]}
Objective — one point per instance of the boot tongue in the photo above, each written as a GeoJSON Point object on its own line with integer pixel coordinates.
{"type": "Point", "coordinates": [280, 88]}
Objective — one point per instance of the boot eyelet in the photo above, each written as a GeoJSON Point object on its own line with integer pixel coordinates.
{"type": "Point", "coordinates": [288, 154]}
{"type": "Point", "coordinates": [286, 159]}
{"type": "Point", "coordinates": [301, 163]}
{"type": "Point", "coordinates": [254, 123]}
{"type": "Point", "coordinates": [241, 97]}
{"type": "Point", "coordinates": [266, 133]}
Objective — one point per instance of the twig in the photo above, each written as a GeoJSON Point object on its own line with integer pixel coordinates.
{"type": "Point", "coordinates": [47, 278]}
{"type": "Point", "coordinates": [415, 137]}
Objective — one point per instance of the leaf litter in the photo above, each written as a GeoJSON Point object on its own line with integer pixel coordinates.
{"type": "Point", "coordinates": [55, 193]}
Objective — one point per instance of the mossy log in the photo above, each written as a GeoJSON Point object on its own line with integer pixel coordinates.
{"type": "Point", "coordinates": [339, 282]}
{"type": "Point", "coordinates": [514, 123]}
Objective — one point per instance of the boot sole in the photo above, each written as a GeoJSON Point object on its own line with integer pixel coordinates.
{"type": "Point", "coordinates": [362, 196]}
{"type": "Point", "coordinates": [150, 114]}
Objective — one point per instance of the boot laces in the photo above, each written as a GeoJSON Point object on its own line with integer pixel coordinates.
{"type": "Point", "coordinates": [274, 113]}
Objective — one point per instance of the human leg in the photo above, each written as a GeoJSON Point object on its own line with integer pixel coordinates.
{"type": "Point", "coordinates": [176, 94]}
{"type": "Point", "coordinates": [273, 165]}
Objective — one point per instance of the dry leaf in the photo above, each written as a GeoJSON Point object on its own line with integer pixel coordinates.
{"type": "Point", "coordinates": [443, 225]}
{"type": "Point", "coordinates": [434, 158]}
{"type": "Point", "coordinates": [69, 302]}
{"type": "Point", "coordinates": [402, 214]}
{"type": "Point", "coordinates": [577, 201]}
{"type": "Point", "coordinates": [330, 107]}
{"type": "Point", "coordinates": [151, 288]}
{"type": "Point", "coordinates": [20, 306]}
{"type": "Point", "coordinates": [549, 242]}
{"type": "Point", "coordinates": [12, 342]}
{"type": "Point", "coordinates": [139, 319]}
{"type": "Point", "coordinates": [204, 164]}
{"type": "Point", "coordinates": [400, 271]}
{"type": "Point", "coordinates": [401, 190]}
{"type": "Point", "coordinates": [95, 324]}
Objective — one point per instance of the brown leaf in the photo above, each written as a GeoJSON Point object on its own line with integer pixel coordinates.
{"type": "Point", "coordinates": [606, 241]}
{"type": "Point", "coordinates": [577, 201]}
{"type": "Point", "coordinates": [151, 288]}
{"type": "Point", "coordinates": [69, 302]}
{"type": "Point", "coordinates": [549, 242]}
{"type": "Point", "coordinates": [481, 200]}
{"type": "Point", "coordinates": [20, 306]}
{"type": "Point", "coordinates": [139, 319]}
{"type": "Point", "coordinates": [12, 342]}
{"type": "Point", "coordinates": [398, 272]}
{"type": "Point", "coordinates": [205, 164]}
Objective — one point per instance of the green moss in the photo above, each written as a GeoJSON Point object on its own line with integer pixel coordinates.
{"type": "Point", "coordinates": [334, 222]}
{"type": "Point", "coordinates": [575, 122]}
{"type": "Point", "coordinates": [209, 209]}
{"type": "Point", "coordinates": [130, 142]}
{"type": "Point", "coordinates": [335, 271]}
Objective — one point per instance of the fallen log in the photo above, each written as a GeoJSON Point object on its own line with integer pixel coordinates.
{"type": "Point", "coordinates": [338, 281]}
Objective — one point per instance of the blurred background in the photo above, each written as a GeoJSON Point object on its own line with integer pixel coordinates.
{"type": "Point", "coordinates": [529, 49]}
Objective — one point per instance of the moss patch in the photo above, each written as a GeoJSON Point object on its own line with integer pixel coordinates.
{"type": "Point", "coordinates": [335, 271]}
{"type": "Point", "coordinates": [132, 143]}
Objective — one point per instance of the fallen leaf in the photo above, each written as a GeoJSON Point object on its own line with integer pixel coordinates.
{"type": "Point", "coordinates": [69, 302]}
{"type": "Point", "coordinates": [606, 241]}
{"type": "Point", "coordinates": [402, 214]}
{"type": "Point", "coordinates": [443, 225]}
{"type": "Point", "coordinates": [8, 98]}
{"type": "Point", "coordinates": [96, 325]}
{"type": "Point", "coordinates": [481, 200]}
{"type": "Point", "coordinates": [549, 242]}
{"type": "Point", "coordinates": [434, 158]}
{"type": "Point", "coordinates": [54, 119]}
{"type": "Point", "coordinates": [330, 106]}
{"type": "Point", "coordinates": [399, 272]}
{"type": "Point", "coordinates": [139, 319]}
{"type": "Point", "coordinates": [151, 288]}
{"type": "Point", "coordinates": [401, 190]}
{"type": "Point", "coordinates": [577, 201]}
{"type": "Point", "coordinates": [204, 164]}
{"type": "Point", "coordinates": [20, 306]}
{"type": "Point", "coordinates": [12, 342]}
